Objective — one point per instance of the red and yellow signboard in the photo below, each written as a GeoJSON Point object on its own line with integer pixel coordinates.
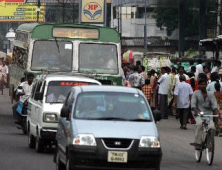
{"type": "Point", "coordinates": [18, 11]}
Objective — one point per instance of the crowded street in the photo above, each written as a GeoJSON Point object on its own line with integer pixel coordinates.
{"type": "Point", "coordinates": [177, 152]}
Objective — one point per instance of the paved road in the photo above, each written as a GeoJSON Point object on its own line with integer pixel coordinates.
{"type": "Point", "coordinates": [177, 153]}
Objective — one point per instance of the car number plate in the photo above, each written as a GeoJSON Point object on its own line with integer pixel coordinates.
{"type": "Point", "coordinates": [117, 156]}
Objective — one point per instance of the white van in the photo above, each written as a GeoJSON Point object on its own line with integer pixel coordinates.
{"type": "Point", "coordinates": [45, 103]}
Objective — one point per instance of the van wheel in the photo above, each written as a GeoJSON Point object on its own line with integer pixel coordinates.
{"type": "Point", "coordinates": [31, 141]}
{"type": "Point", "coordinates": [39, 144]}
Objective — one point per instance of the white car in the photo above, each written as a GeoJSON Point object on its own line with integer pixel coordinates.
{"type": "Point", "coordinates": [45, 103]}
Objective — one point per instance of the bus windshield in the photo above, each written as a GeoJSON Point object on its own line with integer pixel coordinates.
{"type": "Point", "coordinates": [98, 58]}
{"type": "Point", "coordinates": [52, 55]}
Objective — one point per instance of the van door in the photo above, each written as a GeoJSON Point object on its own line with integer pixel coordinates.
{"type": "Point", "coordinates": [37, 106]}
{"type": "Point", "coordinates": [30, 110]}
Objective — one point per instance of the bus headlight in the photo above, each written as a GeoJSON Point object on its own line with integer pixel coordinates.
{"type": "Point", "coordinates": [84, 139]}
{"type": "Point", "coordinates": [50, 117]}
{"type": "Point", "coordinates": [149, 142]}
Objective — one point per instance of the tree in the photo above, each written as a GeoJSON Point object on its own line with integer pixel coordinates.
{"type": "Point", "coordinates": [168, 16]}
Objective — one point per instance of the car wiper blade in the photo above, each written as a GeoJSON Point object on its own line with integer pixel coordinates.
{"type": "Point", "coordinates": [140, 120]}
{"type": "Point", "coordinates": [111, 118]}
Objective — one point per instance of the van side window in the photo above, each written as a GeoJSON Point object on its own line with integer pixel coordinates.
{"type": "Point", "coordinates": [33, 90]}
{"type": "Point", "coordinates": [38, 87]}
{"type": "Point", "coordinates": [70, 98]}
{"type": "Point", "coordinates": [66, 102]}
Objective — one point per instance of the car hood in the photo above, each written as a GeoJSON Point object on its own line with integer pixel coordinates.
{"type": "Point", "coordinates": [115, 129]}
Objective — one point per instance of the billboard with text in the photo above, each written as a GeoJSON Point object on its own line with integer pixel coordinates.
{"type": "Point", "coordinates": [18, 11]}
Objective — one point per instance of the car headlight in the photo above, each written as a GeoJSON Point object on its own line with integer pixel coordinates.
{"type": "Point", "coordinates": [50, 117]}
{"type": "Point", "coordinates": [84, 139]}
{"type": "Point", "coordinates": [149, 142]}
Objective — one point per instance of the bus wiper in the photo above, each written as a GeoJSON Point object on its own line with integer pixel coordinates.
{"type": "Point", "coordinates": [90, 72]}
{"type": "Point", "coordinates": [140, 120]}
{"type": "Point", "coordinates": [57, 46]}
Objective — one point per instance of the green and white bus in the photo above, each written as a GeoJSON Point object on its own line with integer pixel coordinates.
{"type": "Point", "coordinates": [89, 50]}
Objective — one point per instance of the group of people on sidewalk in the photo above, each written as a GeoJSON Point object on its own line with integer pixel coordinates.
{"type": "Point", "coordinates": [174, 91]}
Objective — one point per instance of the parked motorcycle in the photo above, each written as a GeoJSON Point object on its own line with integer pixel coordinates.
{"type": "Point", "coordinates": [21, 111]}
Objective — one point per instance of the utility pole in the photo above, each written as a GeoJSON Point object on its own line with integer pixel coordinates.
{"type": "Point", "coordinates": [145, 30]}
{"type": "Point", "coordinates": [182, 5]}
{"type": "Point", "coordinates": [38, 10]}
{"type": "Point", "coordinates": [202, 19]}
{"type": "Point", "coordinates": [218, 17]}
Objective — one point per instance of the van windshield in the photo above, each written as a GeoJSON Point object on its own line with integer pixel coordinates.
{"type": "Point", "coordinates": [58, 90]}
{"type": "Point", "coordinates": [52, 55]}
{"type": "Point", "coordinates": [112, 106]}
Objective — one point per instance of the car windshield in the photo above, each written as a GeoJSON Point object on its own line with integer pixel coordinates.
{"type": "Point", "coordinates": [98, 58]}
{"type": "Point", "coordinates": [52, 55]}
{"type": "Point", "coordinates": [111, 106]}
{"type": "Point", "coordinates": [57, 90]}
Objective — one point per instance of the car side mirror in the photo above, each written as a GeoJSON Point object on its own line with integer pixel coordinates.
{"type": "Point", "coordinates": [64, 112]}
{"type": "Point", "coordinates": [38, 96]}
{"type": "Point", "coordinates": [157, 115]}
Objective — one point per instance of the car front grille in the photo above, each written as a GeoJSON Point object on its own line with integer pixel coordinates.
{"type": "Point", "coordinates": [117, 143]}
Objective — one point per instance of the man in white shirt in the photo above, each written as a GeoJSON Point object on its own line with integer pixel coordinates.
{"type": "Point", "coordinates": [163, 91]}
{"type": "Point", "coordinates": [182, 97]}
{"type": "Point", "coordinates": [27, 87]}
{"type": "Point", "coordinates": [4, 71]}
{"type": "Point", "coordinates": [216, 67]}
{"type": "Point", "coordinates": [180, 73]}
{"type": "Point", "coordinates": [24, 94]}
{"type": "Point", "coordinates": [199, 66]}
{"type": "Point", "coordinates": [55, 95]}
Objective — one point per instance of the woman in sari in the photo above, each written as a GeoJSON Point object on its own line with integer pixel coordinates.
{"type": "Point", "coordinates": [218, 95]}
{"type": "Point", "coordinates": [153, 85]}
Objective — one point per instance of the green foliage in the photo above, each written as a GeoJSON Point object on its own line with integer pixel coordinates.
{"type": "Point", "coordinates": [168, 17]}
{"type": "Point", "coordinates": [190, 53]}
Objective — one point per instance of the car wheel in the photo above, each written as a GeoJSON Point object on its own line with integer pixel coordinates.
{"type": "Point", "coordinates": [59, 164]}
{"type": "Point", "coordinates": [31, 141]}
{"type": "Point", "coordinates": [39, 144]}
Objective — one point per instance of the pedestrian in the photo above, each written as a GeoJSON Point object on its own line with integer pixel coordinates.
{"type": "Point", "coordinates": [163, 92]}
{"type": "Point", "coordinates": [182, 97]}
{"type": "Point", "coordinates": [216, 66]}
{"type": "Point", "coordinates": [153, 84]}
{"type": "Point", "coordinates": [129, 71]}
{"type": "Point", "coordinates": [194, 85]}
{"type": "Point", "coordinates": [207, 72]}
{"type": "Point", "coordinates": [147, 90]}
{"type": "Point", "coordinates": [191, 64]}
{"type": "Point", "coordinates": [4, 73]}
{"type": "Point", "coordinates": [180, 73]}
{"type": "Point", "coordinates": [1, 81]}
{"type": "Point", "coordinates": [142, 72]}
{"type": "Point", "coordinates": [214, 77]}
{"type": "Point", "coordinates": [218, 96]}
{"type": "Point", "coordinates": [194, 71]}
{"type": "Point", "coordinates": [199, 66]}
{"type": "Point", "coordinates": [135, 79]}
{"type": "Point", "coordinates": [171, 88]}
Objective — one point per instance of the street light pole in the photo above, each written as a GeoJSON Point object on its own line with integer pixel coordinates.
{"type": "Point", "coordinates": [145, 31]}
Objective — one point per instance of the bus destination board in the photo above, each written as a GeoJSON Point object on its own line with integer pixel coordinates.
{"type": "Point", "coordinates": [76, 33]}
